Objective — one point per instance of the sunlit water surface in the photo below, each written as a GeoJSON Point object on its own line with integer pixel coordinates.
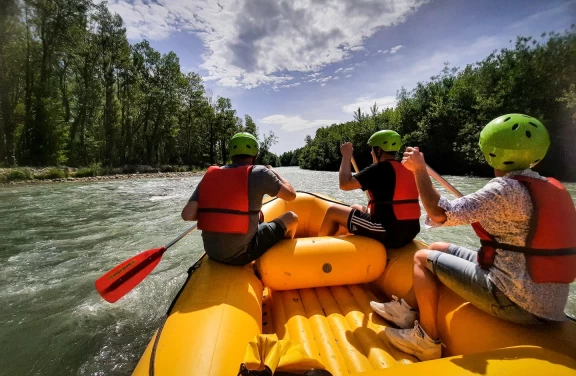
{"type": "Point", "coordinates": [57, 239]}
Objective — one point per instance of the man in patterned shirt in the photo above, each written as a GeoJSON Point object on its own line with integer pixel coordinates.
{"type": "Point", "coordinates": [504, 208]}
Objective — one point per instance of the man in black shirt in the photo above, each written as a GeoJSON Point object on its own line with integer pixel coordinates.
{"type": "Point", "coordinates": [393, 212]}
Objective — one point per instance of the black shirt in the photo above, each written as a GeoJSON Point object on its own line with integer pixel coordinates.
{"type": "Point", "coordinates": [380, 179]}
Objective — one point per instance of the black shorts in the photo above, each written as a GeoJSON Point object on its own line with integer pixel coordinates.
{"type": "Point", "coordinates": [393, 235]}
{"type": "Point", "coordinates": [361, 223]}
{"type": "Point", "coordinates": [268, 234]}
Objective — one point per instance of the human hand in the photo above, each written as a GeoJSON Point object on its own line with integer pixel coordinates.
{"type": "Point", "coordinates": [347, 150]}
{"type": "Point", "coordinates": [413, 159]}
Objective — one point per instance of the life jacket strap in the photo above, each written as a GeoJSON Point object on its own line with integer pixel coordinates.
{"type": "Point", "coordinates": [530, 251]}
{"type": "Point", "coordinates": [228, 211]}
{"type": "Point", "coordinates": [395, 202]}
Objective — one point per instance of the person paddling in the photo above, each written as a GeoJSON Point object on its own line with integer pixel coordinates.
{"type": "Point", "coordinates": [394, 212]}
{"type": "Point", "coordinates": [526, 224]}
{"type": "Point", "coordinates": [227, 205]}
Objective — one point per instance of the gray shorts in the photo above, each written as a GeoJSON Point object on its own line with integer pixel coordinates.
{"type": "Point", "coordinates": [268, 234]}
{"type": "Point", "coordinates": [458, 269]}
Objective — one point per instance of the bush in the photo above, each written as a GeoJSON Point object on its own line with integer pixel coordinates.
{"type": "Point", "coordinates": [53, 173]}
{"type": "Point", "coordinates": [18, 174]}
{"type": "Point", "coordinates": [95, 169]}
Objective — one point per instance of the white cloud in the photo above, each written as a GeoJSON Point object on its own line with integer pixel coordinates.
{"type": "Point", "coordinates": [395, 49]}
{"type": "Point", "coordinates": [296, 123]}
{"type": "Point", "coordinates": [364, 103]}
{"type": "Point", "coordinates": [348, 76]}
{"type": "Point", "coordinates": [344, 70]}
{"type": "Point", "coordinates": [278, 87]}
{"type": "Point", "coordinates": [250, 42]}
{"type": "Point", "coordinates": [381, 52]}
{"type": "Point", "coordinates": [324, 79]}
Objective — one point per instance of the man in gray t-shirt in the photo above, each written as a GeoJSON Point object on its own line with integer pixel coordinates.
{"type": "Point", "coordinates": [240, 249]}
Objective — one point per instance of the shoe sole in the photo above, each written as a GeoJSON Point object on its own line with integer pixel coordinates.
{"type": "Point", "coordinates": [411, 351]}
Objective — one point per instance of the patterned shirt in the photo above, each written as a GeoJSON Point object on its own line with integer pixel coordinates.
{"type": "Point", "coordinates": [504, 208]}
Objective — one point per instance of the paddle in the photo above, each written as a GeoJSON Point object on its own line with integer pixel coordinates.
{"type": "Point", "coordinates": [124, 277]}
{"type": "Point", "coordinates": [356, 170]}
{"type": "Point", "coordinates": [443, 182]}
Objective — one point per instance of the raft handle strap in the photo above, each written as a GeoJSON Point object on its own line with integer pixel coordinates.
{"type": "Point", "coordinates": [244, 371]}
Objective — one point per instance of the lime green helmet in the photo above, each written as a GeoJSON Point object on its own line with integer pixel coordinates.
{"type": "Point", "coordinates": [386, 140]}
{"type": "Point", "coordinates": [514, 142]}
{"type": "Point", "coordinates": [243, 144]}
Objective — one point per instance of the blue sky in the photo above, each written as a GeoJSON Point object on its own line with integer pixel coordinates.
{"type": "Point", "coordinates": [298, 65]}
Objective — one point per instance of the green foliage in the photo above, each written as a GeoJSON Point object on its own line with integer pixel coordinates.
{"type": "Point", "coordinates": [445, 115]}
{"type": "Point", "coordinates": [291, 158]}
{"type": "Point", "coordinates": [18, 174]}
{"type": "Point", "coordinates": [95, 169]}
{"type": "Point", "coordinates": [75, 92]}
{"type": "Point", "coordinates": [268, 158]}
{"type": "Point", "coordinates": [53, 173]}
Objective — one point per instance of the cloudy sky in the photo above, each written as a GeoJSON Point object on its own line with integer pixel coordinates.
{"type": "Point", "coordinates": [297, 65]}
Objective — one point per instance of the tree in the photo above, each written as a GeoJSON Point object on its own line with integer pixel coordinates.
{"type": "Point", "coordinates": [12, 57]}
{"type": "Point", "coordinates": [250, 126]}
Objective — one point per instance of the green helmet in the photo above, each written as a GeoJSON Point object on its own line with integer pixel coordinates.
{"type": "Point", "coordinates": [386, 140]}
{"type": "Point", "coordinates": [243, 144]}
{"type": "Point", "coordinates": [514, 142]}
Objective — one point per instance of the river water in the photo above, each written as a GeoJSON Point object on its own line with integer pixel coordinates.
{"type": "Point", "coordinates": [58, 239]}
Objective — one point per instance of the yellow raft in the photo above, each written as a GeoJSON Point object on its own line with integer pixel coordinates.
{"type": "Point", "coordinates": [305, 304]}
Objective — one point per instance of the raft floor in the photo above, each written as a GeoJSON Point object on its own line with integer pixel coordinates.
{"type": "Point", "coordinates": [334, 325]}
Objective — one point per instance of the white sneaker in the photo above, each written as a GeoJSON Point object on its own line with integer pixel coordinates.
{"type": "Point", "coordinates": [397, 312]}
{"type": "Point", "coordinates": [415, 341]}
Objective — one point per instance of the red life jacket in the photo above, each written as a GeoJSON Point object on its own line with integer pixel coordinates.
{"type": "Point", "coordinates": [550, 249]}
{"type": "Point", "coordinates": [223, 204]}
{"type": "Point", "coordinates": [405, 200]}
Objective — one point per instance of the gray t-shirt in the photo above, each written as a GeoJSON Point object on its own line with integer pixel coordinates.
{"type": "Point", "coordinates": [225, 247]}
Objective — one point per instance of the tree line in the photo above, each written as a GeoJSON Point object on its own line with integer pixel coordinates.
{"type": "Point", "coordinates": [444, 116]}
{"type": "Point", "coordinates": [73, 91]}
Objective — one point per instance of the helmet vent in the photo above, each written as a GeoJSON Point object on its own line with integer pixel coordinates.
{"type": "Point", "coordinates": [515, 126]}
{"type": "Point", "coordinates": [393, 144]}
{"type": "Point", "coordinates": [509, 162]}
{"type": "Point", "coordinates": [385, 142]}
{"type": "Point", "coordinates": [235, 146]}
{"type": "Point", "coordinates": [532, 124]}
{"type": "Point", "coordinates": [492, 154]}
{"type": "Point", "coordinates": [508, 118]}
{"type": "Point", "coordinates": [249, 147]}
{"type": "Point", "coordinates": [528, 134]}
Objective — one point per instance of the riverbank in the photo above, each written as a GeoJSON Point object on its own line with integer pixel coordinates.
{"type": "Point", "coordinates": [95, 173]}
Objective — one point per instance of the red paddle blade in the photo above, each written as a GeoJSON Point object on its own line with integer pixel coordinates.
{"type": "Point", "coordinates": [124, 277]}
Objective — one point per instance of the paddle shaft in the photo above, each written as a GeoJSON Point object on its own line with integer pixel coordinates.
{"type": "Point", "coordinates": [443, 182]}
{"type": "Point", "coordinates": [179, 237]}
{"type": "Point", "coordinates": [357, 170]}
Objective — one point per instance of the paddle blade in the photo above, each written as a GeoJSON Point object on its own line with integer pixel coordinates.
{"type": "Point", "coordinates": [124, 277]}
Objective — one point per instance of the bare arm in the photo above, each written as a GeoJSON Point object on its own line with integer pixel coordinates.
{"type": "Point", "coordinates": [190, 211]}
{"type": "Point", "coordinates": [414, 161]}
{"type": "Point", "coordinates": [286, 191]}
{"type": "Point", "coordinates": [346, 181]}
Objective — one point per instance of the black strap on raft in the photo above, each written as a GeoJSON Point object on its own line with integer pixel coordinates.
{"type": "Point", "coordinates": [529, 251]}
{"type": "Point", "coordinates": [244, 371]}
